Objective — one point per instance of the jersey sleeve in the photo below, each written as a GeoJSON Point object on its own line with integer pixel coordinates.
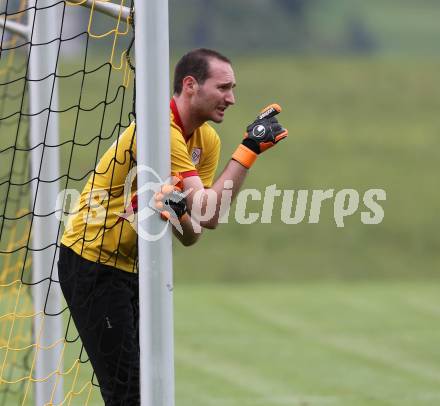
{"type": "Point", "coordinates": [209, 164]}
{"type": "Point", "coordinates": [180, 160]}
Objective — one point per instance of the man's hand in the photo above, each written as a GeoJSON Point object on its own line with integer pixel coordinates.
{"type": "Point", "coordinates": [170, 202]}
{"type": "Point", "coordinates": [265, 131]}
{"type": "Point", "coordinates": [261, 135]}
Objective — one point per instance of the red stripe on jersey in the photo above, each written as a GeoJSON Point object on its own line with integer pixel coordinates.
{"type": "Point", "coordinates": [177, 119]}
{"type": "Point", "coordinates": [188, 174]}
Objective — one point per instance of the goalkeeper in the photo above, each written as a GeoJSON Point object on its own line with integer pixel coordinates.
{"type": "Point", "coordinates": [98, 253]}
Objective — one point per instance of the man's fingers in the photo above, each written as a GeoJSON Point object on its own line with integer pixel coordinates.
{"type": "Point", "coordinates": [159, 196]}
{"type": "Point", "coordinates": [167, 189]}
{"type": "Point", "coordinates": [159, 205]}
{"type": "Point", "coordinates": [165, 215]}
{"type": "Point", "coordinates": [170, 202]}
{"type": "Point", "coordinates": [281, 136]}
{"type": "Point", "coordinates": [277, 128]}
{"type": "Point", "coordinates": [269, 111]}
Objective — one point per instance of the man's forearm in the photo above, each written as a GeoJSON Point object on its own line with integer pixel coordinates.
{"type": "Point", "coordinates": [189, 236]}
{"type": "Point", "coordinates": [206, 205]}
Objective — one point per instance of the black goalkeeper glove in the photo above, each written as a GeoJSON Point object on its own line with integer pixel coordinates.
{"type": "Point", "coordinates": [261, 135]}
{"type": "Point", "coordinates": [170, 202]}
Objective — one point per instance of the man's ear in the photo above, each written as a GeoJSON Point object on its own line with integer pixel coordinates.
{"type": "Point", "coordinates": [190, 84]}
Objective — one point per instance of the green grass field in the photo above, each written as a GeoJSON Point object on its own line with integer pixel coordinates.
{"type": "Point", "coordinates": [344, 344]}
{"type": "Point", "coordinates": [306, 344]}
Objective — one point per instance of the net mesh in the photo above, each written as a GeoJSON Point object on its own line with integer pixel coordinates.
{"type": "Point", "coordinates": [95, 84]}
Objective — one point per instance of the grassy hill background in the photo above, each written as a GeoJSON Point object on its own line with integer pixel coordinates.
{"type": "Point", "coordinates": [354, 123]}
{"type": "Point", "coordinates": [385, 27]}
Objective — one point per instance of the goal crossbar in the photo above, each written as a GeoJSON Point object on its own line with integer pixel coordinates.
{"type": "Point", "coordinates": [22, 30]}
{"type": "Point", "coordinates": [110, 9]}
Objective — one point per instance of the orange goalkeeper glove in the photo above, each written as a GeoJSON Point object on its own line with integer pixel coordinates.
{"type": "Point", "coordinates": [261, 135]}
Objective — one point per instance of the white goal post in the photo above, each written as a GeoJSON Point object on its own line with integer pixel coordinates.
{"type": "Point", "coordinates": [153, 150]}
{"type": "Point", "coordinates": [41, 31]}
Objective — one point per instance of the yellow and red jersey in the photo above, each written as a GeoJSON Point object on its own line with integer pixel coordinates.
{"type": "Point", "coordinates": [96, 230]}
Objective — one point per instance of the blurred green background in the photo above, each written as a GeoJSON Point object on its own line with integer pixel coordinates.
{"type": "Point", "coordinates": [388, 27]}
{"type": "Point", "coordinates": [359, 85]}
{"type": "Point", "coordinates": [356, 123]}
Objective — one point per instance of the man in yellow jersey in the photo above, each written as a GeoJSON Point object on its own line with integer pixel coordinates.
{"type": "Point", "coordinates": [98, 253]}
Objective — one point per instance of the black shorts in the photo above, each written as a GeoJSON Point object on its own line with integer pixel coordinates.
{"type": "Point", "coordinates": [104, 305]}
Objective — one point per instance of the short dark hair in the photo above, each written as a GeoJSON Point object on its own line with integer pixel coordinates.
{"type": "Point", "coordinates": [195, 63]}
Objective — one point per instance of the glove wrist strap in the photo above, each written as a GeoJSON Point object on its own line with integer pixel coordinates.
{"type": "Point", "coordinates": [244, 156]}
{"type": "Point", "coordinates": [252, 145]}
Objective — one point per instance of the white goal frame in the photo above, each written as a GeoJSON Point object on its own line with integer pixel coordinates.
{"type": "Point", "coordinates": [155, 257]}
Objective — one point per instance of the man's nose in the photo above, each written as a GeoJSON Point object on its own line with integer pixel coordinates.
{"type": "Point", "coordinates": [230, 98]}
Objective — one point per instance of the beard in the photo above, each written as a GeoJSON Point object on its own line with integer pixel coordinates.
{"type": "Point", "coordinates": [206, 112]}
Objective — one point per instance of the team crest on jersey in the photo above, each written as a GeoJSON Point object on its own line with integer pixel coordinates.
{"type": "Point", "coordinates": [196, 153]}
